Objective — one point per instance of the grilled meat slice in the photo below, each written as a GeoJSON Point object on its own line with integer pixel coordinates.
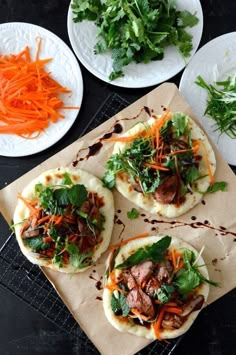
{"type": "Point", "coordinates": [167, 191]}
{"type": "Point", "coordinates": [141, 272]}
{"type": "Point", "coordinates": [138, 299]}
{"type": "Point", "coordinates": [172, 321]}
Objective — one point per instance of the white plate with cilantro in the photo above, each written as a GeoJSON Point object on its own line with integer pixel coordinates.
{"type": "Point", "coordinates": [215, 63]}
{"type": "Point", "coordinates": [108, 63]}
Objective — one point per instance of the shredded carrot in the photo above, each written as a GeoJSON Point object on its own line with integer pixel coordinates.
{"type": "Point", "coordinates": [157, 167]}
{"type": "Point", "coordinates": [175, 310]}
{"type": "Point", "coordinates": [47, 239]}
{"type": "Point", "coordinates": [173, 258]}
{"type": "Point", "coordinates": [138, 314]}
{"type": "Point", "coordinates": [72, 238]}
{"type": "Point", "coordinates": [30, 204]}
{"type": "Point", "coordinates": [43, 219]}
{"type": "Point", "coordinates": [144, 133]}
{"type": "Point", "coordinates": [29, 100]}
{"type": "Point", "coordinates": [193, 149]}
{"type": "Point", "coordinates": [58, 219]}
{"type": "Point", "coordinates": [122, 139]}
{"type": "Point", "coordinates": [112, 286]}
{"type": "Point", "coordinates": [157, 323]}
{"type": "Point", "coordinates": [123, 242]}
{"type": "Point", "coordinates": [210, 173]}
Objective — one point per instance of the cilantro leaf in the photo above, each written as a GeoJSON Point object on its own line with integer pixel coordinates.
{"type": "Point", "coordinates": [186, 19]}
{"type": "Point", "coordinates": [133, 213]}
{"type": "Point", "coordinates": [77, 259]}
{"type": "Point", "coordinates": [109, 179]}
{"type": "Point", "coordinates": [136, 31]}
{"type": "Point", "coordinates": [164, 293]}
{"type": "Point", "coordinates": [154, 252]}
{"type": "Point", "coordinates": [67, 179]}
{"type": "Point", "coordinates": [186, 281]}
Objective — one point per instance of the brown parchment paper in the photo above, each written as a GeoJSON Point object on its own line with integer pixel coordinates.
{"type": "Point", "coordinates": [211, 223]}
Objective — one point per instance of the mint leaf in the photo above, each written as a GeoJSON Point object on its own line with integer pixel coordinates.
{"type": "Point", "coordinates": [154, 252]}
{"type": "Point", "coordinates": [119, 305]}
{"type": "Point", "coordinates": [217, 186]}
{"type": "Point", "coordinates": [36, 243]}
{"type": "Point", "coordinates": [77, 195]}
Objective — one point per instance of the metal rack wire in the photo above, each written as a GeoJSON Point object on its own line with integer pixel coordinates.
{"type": "Point", "coordinates": [27, 282]}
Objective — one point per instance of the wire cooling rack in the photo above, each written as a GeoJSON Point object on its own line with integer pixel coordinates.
{"type": "Point", "coordinates": [27, 282]}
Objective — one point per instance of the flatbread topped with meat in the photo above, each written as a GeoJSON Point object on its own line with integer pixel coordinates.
{"type": "Point", "coordinates": [155, 287]}
{"type": "Point", "coordinates": [164, 165]}
{"type": "Point", "coordinates": [64, 219]}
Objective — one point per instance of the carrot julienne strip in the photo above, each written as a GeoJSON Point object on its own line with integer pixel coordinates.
{"type": "Point", "coordinates": [157, 167]}
{"type": "Point", "coordinates": [123, 242]}
{"type": "Point", "coordinates": [29, 100]}
{"type": "Point", "coordinates": [157, 323]}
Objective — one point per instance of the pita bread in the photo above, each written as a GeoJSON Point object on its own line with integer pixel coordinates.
{"type": "Point", "coordinates": [138, 326]}
{"type": "Point", "coordinates": [72, 252]}
{"type": "Point", "coordinates": [194, 191]}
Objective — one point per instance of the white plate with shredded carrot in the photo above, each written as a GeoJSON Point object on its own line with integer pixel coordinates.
{"type": "Point", "coordinates": [41, 89]}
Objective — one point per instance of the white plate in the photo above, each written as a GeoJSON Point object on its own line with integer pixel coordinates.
{"type": "Point", "coordinates": [64, 68]}
{"type": "Point", "coordinates": [214, 61]}
{"type": "Point", "coordinates": [83, 39]}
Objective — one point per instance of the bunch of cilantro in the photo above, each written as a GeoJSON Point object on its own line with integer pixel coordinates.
{"type": "Point", "coordinates": [136, 30]}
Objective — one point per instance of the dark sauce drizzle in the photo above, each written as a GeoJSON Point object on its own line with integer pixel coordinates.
{"type": "Point", "coordinates": [118, 221]}
{"type": "Point", "coordinates": [98, 283]}
{"type": "Point", "coordinates": [116, 128]}
{"type": "Point", "coordinates": [196, 224]}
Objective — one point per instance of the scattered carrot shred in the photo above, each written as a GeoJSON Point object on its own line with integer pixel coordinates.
{"type": "Point", "coordinates": [208, 165]}
{"type": "Point", "coordinates": [123, 242]}
{"type": "Point", "coordinates": [175, 310]}
{"type": "Point", "coordinates": [157, 323]}
{"type": "Point", "coordinates": [157, 167]}
{"type": "Point", "coordinates": [29, 96]}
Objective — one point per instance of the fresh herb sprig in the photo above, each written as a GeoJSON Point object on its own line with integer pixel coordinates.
{"type": "Point", "coordinates": [154, 252]}
{"type": "Point", "coordinates": [136, 30]}
{"type": "Point", "coordinates": [190, 277]}
{"type": "Point", "coordinates": [221, 104]}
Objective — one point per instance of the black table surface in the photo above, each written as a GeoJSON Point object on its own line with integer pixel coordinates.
{"type": "Point", "coordinates": [22, 329]}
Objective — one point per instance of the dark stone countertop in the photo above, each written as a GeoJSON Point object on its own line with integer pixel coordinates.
{"type": "Point", "coordinates": [23, 330]}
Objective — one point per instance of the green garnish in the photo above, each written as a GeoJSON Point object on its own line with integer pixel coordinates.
{"type": "Point", "coordinates": [217, 186]}
{"type": "Point", "coordinates": [133, 213]}
{"type": "Point", "coordinates": [164, 293]}
{"type": "Point", "coordinates": [136, 30]}
{"type": "Point", "coordinates": [36, 243]}
{"type": "Point", "coordinates": [77, 259]}
{"type": "Point", "coordinates": [154, 252]}
{"type": "Point", "coordinates": [187, 279]}
{"type": "Point", "coordinates": [221, 104]}
{"type": "Point", "coordinates": [54, 200]}
{"type": "Point", "coordinates": [119, 305]}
